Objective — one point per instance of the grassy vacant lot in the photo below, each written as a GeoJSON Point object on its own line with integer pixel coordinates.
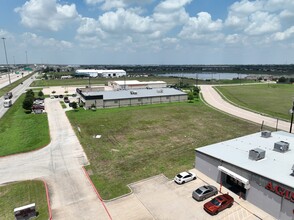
{"type": "Point", "coordinates": [13, 85]}
{"type": "Point", "coordinates": [272, 99]}
{"type": "Point", "coordinates": [99, 81]}
{"type": "Point", "coordinates": [20, 132]}
{"type": "Point", "coordinates": [20, 194]}
{"type": "Point", "coordinates": [139, 142]}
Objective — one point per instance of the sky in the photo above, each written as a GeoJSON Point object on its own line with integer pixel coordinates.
{"type": "Point", "coordinates": [147, 32]}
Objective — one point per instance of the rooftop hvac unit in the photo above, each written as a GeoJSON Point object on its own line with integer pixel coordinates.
{"type": "Point", "coordinates": [266, 134]}
{"type": "Point", "coordinates": [133, 92]}
{"type": "Point", "coordinates": [159, 91]}
{"type": "Point", "coordinates": [292, 170]}
{"type": "Point", "coordinates": [256, 154]}
{"type": "Point", "coordinates": [281, 146]}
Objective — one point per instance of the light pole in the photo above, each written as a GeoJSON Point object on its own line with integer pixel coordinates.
{"type": "Point", "coordinates": [8, 71]}
{"type": "Point", "coordinates": [27, 58]}
{"type": "Point", "coordinates": [292, 112]}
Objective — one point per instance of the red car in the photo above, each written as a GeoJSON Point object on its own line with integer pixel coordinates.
{"type": "Point", "coordinates": [218, 204]}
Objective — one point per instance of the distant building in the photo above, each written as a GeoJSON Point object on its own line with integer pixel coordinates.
{"type": "Point", "coordinates": [100, 73]}
{"type": "Point", "coordinates": [135, 84]}
{"type": "Point", "coordinates": [113, 99]}
{"type": "Point", "coordinates": [259, 167]}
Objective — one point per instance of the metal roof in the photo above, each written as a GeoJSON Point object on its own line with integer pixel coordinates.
{"type": "Point", "coordinates": [136, 82]}
{"type": "Point", "coordinates": [138, 93]}
{"type": "Point", "coordinates": [275, 166]}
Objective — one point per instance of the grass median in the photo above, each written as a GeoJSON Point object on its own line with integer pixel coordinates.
{"type": "Point", "coordinates": [20, 194]}
{"type": "Point", "coordinates": [139, 142]}
{"type": "Point", "coordinates": [272, 99]}
{"type": "Point", "coordinates": [20, 132]}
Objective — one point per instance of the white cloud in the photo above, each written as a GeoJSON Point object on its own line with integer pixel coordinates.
{"type": "Point", "coordinates": [280, 36]}
{"type": "Point", "coordinates": [261, 23]}
{"type": "Point", "coordinates": [202, 27]}
{"type": "Point", "coordinates": [46, 14]}
{"type": "Point", "coordinates": [31, 40]}
{"type": "Point", "coordinates": [115, 4]}
{"type": "Point", "coordinates": [171, 5]}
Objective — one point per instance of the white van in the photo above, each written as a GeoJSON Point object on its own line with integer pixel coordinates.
{"type": "Point", "coordinates": [7, 103]}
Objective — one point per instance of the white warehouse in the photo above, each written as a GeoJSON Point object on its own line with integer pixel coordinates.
{"type": "Point", "coordinates": [100, 73]}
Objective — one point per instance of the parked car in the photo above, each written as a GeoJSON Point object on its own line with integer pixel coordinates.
{"type": "Point", "coordinates": [204, 192]}
{"type": "Point", "coordinates": [218, 204]}
{"type": "Point", "coordinates": [66, 99]}
{"type": "Point", "coordinates": [184, 177]}
{"type": "Point", "coordinates": [60, 96]}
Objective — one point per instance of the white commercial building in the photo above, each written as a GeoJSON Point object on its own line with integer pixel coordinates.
{"type": "Point", "coordinates": [259, 167]}
{"type": "Point", "coordinates": [135, 84]}
{"type": "Point", "coordinates": [100, 73]}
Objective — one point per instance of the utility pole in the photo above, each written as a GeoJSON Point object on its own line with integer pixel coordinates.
{"type": "Point", "coordinates": [292, 112]}
{"type": "Point", "coordinates": [8, 71]}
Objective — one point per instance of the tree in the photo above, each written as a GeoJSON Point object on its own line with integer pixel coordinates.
{"type": "Point", "coordinates": [282, 79]}
{"type": "Point", "coordinates": [40, 93]}
{"type": "Point", "coordinates": [190, 96]}
{"type": "Point", "coordinates": [74, 105]}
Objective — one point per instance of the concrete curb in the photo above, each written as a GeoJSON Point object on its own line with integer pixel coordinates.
{"type": "Point", "coordinates": [97, 193]}
{"type": "Point", "coordinates": [48, 200]}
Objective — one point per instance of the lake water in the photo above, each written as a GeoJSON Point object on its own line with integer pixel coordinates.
{"type": "Point", "coordinates": [206, 76]}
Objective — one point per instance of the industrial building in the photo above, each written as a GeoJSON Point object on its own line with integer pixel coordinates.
{"type": "Point", "coordinates": [99, 73]}
{"type": "Point", "coordinates": [135, 84]}
{"type": "Point", "coordinates": [120, 98]}
{"type": "Point", "coordinates": [259, 167]}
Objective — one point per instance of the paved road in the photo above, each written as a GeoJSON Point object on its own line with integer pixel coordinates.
{"type": "Point", "coordinates": [17, 91]}
{"type": "Point", "coordinates": [215, 100]}
{"type": "Point", "coordinates": [60, 165]}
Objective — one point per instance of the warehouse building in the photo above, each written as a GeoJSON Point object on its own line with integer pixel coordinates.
{"type": "Point", "coordinates": [113, 99]}
{"type": "Point", "coordinates": [258, 167]}
{"type": "Point", "coordinates": [99, 73]}
{"type": "Point", "coordinates": [135, 84]}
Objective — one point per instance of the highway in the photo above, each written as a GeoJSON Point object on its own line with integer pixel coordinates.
{"type": "Point", "coordinates": [16, 92]}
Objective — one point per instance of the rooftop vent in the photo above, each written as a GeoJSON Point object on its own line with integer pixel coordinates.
{"type": "Point", "coordinates": [133, 92]}
{"type": "Point", "coordinates": [281, 146]}
{"type": "Point", "coordinates": [256, 154]}
{"type": "Point", "coordinates": [266, 134]}
{"type": "Point", "coordinates": [292, 174]}
{"type": "Point", "coordinates": [159, 91]}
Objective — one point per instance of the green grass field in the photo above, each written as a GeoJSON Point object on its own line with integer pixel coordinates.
{"type": "Point", "coordinates": [103, 81]}
{"type": "Point", "coordinates": [20, 132]}
{"type": "Point", "coordinates": [139, 142]}
{"type": "Point", "coordinates": [271, 99]}
{"type": "Point", "coordinates": [20, 194]}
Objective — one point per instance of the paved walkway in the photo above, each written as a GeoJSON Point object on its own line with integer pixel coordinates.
{"type": "Point", "coordinates": [214, 99]}
{"type": "Point", "coordinates": [60, 165]}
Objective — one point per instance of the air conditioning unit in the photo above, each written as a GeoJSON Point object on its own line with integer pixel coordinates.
{"type": "Point", "coordinates": [292, 174]}
{"type": "Point", "coordinates": [256, 154]}
{"type": "Point", "coordinates": [159, 91]}
{"type": "Point", "coordinates": [281, 146]}
{"type": "Point", "coordinates": [266, 134]}
{"type": "Point", "coordinates": [133, 92]}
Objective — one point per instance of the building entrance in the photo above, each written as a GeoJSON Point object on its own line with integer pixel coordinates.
{"type": "Point", "coordinates": [235, 186]}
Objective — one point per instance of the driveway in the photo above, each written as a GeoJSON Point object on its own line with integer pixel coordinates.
{"type": "Point", "coordinates": [161, 198]}
{"type": "Point", "coordinates": [60, 165]}
{"type": "Point", "coordinates": [215, 100]}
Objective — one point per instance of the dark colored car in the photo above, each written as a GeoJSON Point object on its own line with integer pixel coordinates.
{"type": "Point", "coordinates": [218, 204]}
{"type": "Point", "coordinates": [60, 96]}
{"type": "Point", "coordinates": [204, 192]}
{"type": "Point", "coordinates": [65, 99]}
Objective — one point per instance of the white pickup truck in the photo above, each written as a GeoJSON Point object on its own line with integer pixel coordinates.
{"type": "Point", "coordinates": [7, 103]}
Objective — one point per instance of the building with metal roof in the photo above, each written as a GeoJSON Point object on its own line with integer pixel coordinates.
{"type": "Point", "coordinates": [135, 84]}
{"type": "Point", "coordinates": [100, 73]}
{"type": "Point", "coordinates": [120, 98]}
{"type": "Point", "coordinates": [259, 167]}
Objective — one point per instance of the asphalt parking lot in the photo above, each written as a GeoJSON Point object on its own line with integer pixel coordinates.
{"type": "Point", "coordinates": [160, 198]}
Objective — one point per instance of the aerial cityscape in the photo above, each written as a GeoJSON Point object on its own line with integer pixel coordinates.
{"type": "Point", "coordinates": [151, 109]}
